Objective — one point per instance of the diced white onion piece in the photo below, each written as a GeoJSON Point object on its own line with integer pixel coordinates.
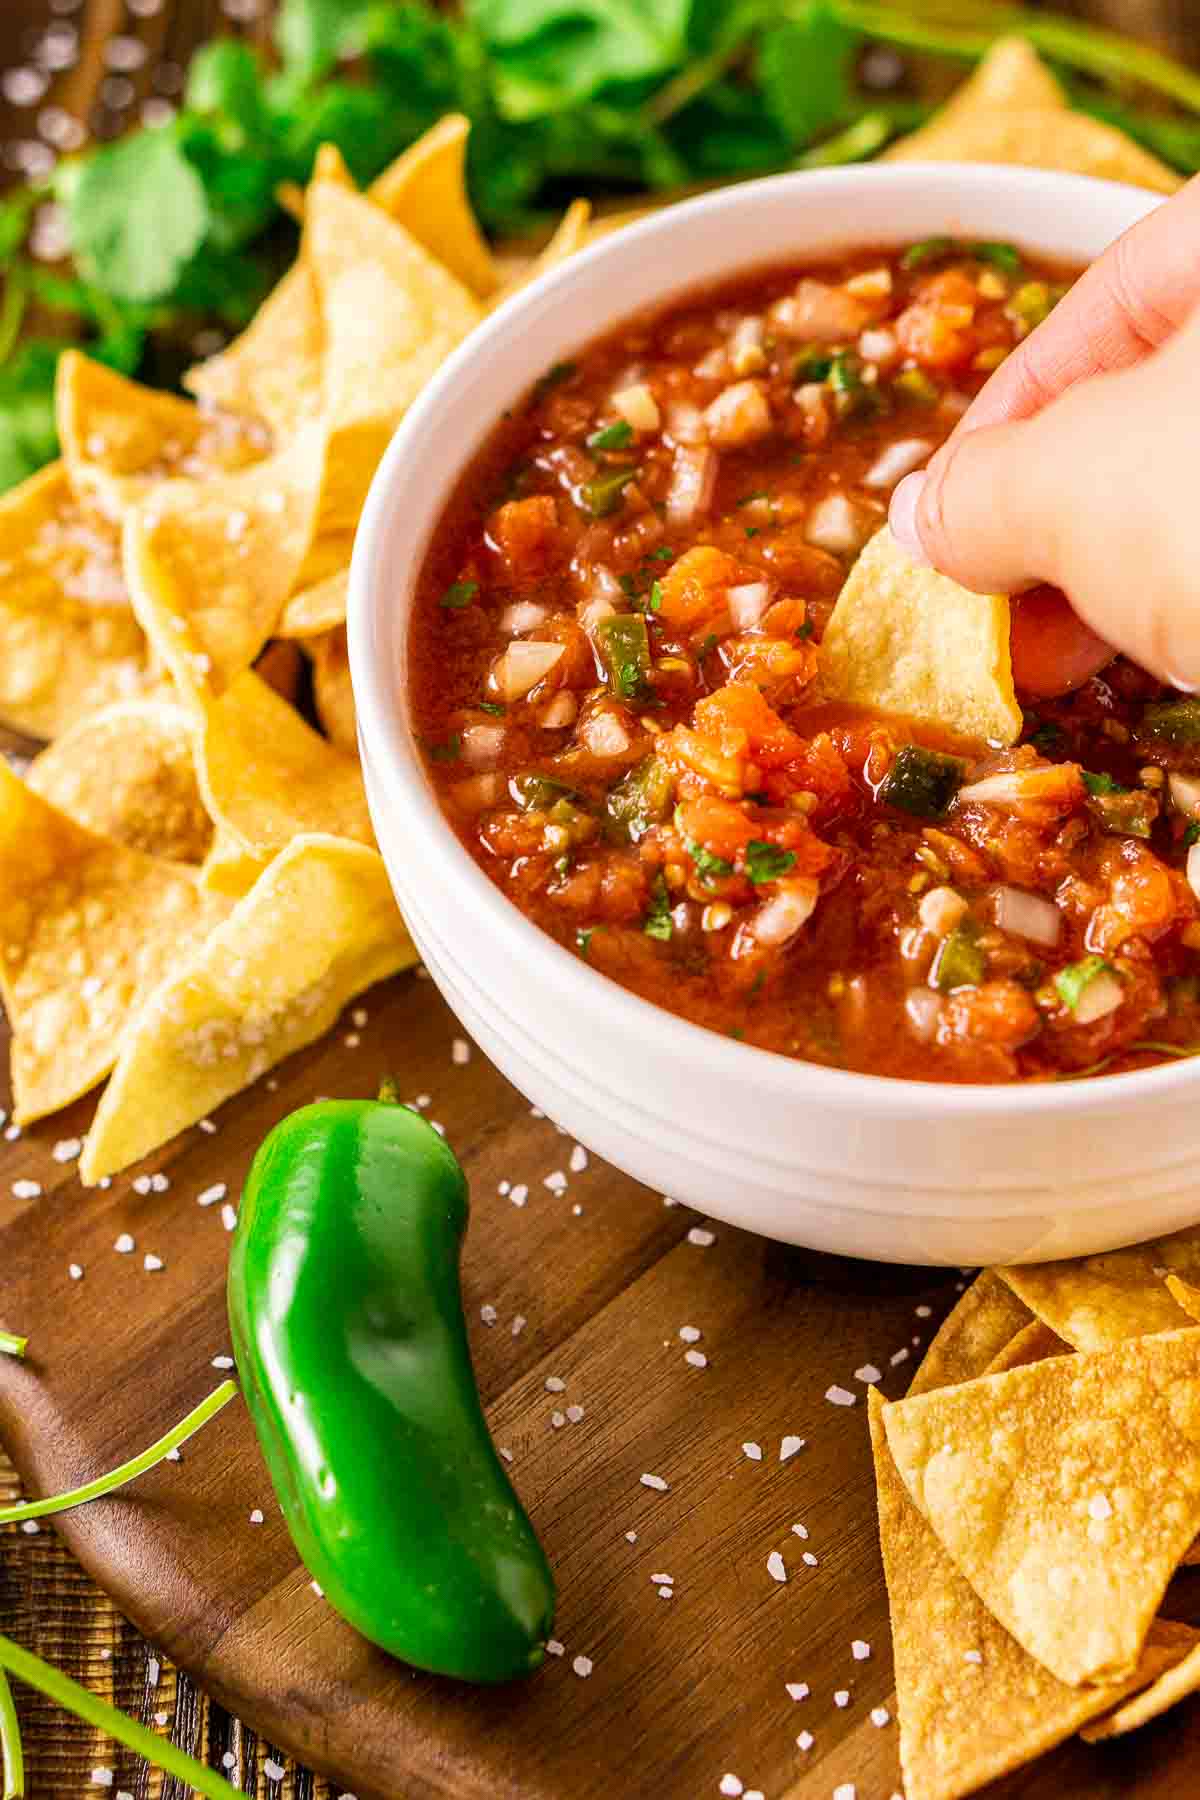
{"type": "Point", "coordinates": [878, 345]}
{"type": "Point", "coordinates": [522, 666]}
{"type": "Point", "coordinates": [871, 284]}
{"type": "Point", "coordinates": [713, 366]}
{"type": "Point", "coordinates": [813, 400]}
{"type": "Point", "coordinates": [748, 603]}
{"type": "Point", "coordinates": [924, 1009]}
{"type": "Point", "coordinates": [746, 350]}
{"type": "Point", "coordinates": [1193, 869]}
{"type": "Point", "coordinates": [693, 484]}
{"type": "Point", "coordinates": [559, 711]}
{"type": "Point", "coordinates": [820, 314]}
{"type": "Point", "coordinates": [482, 745]}
{"type": "Point", "coordinates": [1016, 787]}
{"type": "Point", "coordinates": [897, 461]}
{"type": "Point", "coordinates": [941, 909]}
{"type": "Point", "coordinates": [592, 611]}
{"type": "Point", "coordinates": [477, 792]}
{"type": "Point", "coordinates": [738, 416]}
{"type": "Point", "coordinates": [1102, 995]}
{"type": "Point", "coordinates": [522, 615]}
{"type": "Point", "coordinates": [1185, 795]}
{"type": "Point", "coordinates": [637, 406]}
{"type": "Point", "coordinates": [1028, 916]}
{"type": "Point", "coordinates": [604, 735]}
{"type": "Point", "coordinates": [836, 524]}
{"type": "Point", "coordinates": [685, 423]}
{"type": "Point", "coordinates": [787, 911]}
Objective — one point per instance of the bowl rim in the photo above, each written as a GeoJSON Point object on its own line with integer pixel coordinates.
{"type": "Point", "coordinates": [388, 749]}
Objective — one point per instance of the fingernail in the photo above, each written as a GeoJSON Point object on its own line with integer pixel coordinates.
{"type": "Point", "coordinates": [902, 516]}
{"type": "Point", "coordinates": [1185, 684]}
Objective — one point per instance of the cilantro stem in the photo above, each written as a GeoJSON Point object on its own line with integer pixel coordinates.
{"type": "Point", "coordinates": [11, 1344]}
{"type": "Point", "coordinates": [85, 1705]}
{"type": "Point", "coordinates": [105, 1484]}
{"type": "Point", "coordinates": [12, 1761]}
{"type": "Point", "coordinates": [12, 311]}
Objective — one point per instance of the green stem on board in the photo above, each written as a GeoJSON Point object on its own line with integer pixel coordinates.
{"type": "Point", "coordinates": [12, 1760]}
{"type": "Point", "coordinates": [105, 1484]}
{"type": "Point", "coordinates": [85, 1705]}
{"type": "Point", "coordinates": [11, 1344]}
{"type": "Point", "coordinates": [12, 312]}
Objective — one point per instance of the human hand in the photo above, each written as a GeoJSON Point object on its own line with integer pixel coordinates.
{"type": "Point", "coordinates": [1076, 463]}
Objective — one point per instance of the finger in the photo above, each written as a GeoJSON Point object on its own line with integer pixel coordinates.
{"type": "Point", "coordinates": [1130, 300]}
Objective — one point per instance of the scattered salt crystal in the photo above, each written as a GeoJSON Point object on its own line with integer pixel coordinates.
{"type": "Point", "coordinates": [153, 1670]}
{"type": "Point", "coordinates": [124, 1244]}
{"type": "Point", "coordinates": [440, 1129]}
{"type": "Point", "coordinates": [577, 1211]}
{"type": "Point", "coordinates": [487, 1313]}
{"type": "Point", "coordinates": [839, 1396]}
{"type": "Point", "coordinates": [860, 1650]}
{"type": "Point", "coordinates": [809, 1558]}
{"type": "Point", "coordinates": [159, 1183]}
{"type": "Point", "coordinates": [553, 1647]}
{"type": "Point", "coordinates": [519, 1194]}
{"type": "Point", "coordinates": [229, 1760]}
{"type": "Point", "coordinates": [729, 1784]}
{"type": "Point", "coordinates": [753, 1794]}
{"type": "Point", "coordinates": [788, 1446]}
{"type": "Point", "coordinates": [460, 1051]}
{"type": "Point", "coordinates": [702, 1238]}
{"type": "Point", "coordinates": [26, 1190]}
{"type": "Point", "coordinates": [842, 1697]}
{"type": "Point", "coordinates": [631, 1537]}
{"type": "Point", "coordinates": [696, 1358]}
{"type": "Point", "coordinates": [518, 1324]}
{"type": "Point", "coordinates": [556, 1181]}
{"type": "Point", "coordinates": [506, 1454]}
{"type": "Point", "coordinates": [352, 1040]}
{"type": "Point", "coordinates": [689, 1334]}
{"type": "Point", "coordinates": [256, 1517]}
{"type": "Point", "coordinates": [422, 1101]}
{"type": "Point", "coordinates": [924, 1312]}
{"type": "Point", "coordinates": [582, 1666]}
{"type": "Point", "coordinates": [579, 1160]}
{"type": "Point", "coordinates": [229, 1217]}
{"type": "Point", "coordinates": [535, 1112]}
{"type": "Point", "coordinates": [275, 1771]}
{"type": "Point", "coordinates": [574, 1414]}
{"type": "Point", "coordinates": [160, 1718]}
{"type": "Point", "coordinates": [504, 1189]}
{"type": "Point", "coordinates": [75, 1271]}
{"type": "Point", "coordinates": [667, 1201]}
{"type": "Point", "coordinates": [1100, 1507]}
{"type": "Point", "coordinates": [558, 1419]}
{"type": "Point", "coordinates": [801, 1531]}
{"type": "Point", "coordinates": [845, 1790]}
{"type": "Point", "coordinates": [898, 1357]}
{"type": "Point", "coordinates": [973, 1656]}
{"type": "Point", "coordinates": [173, 1456]}
{"type": "Point", "coordinates": [880, 1716]}
{"type": "Point", "coordinates": [67, 1149]}
{"type": "Point", "coordinates": [868, 1374]}
{"type": "Point", "coordinates": [207, 1125]}
{"type": "Point", "coordinates": [102, 1777]}
{"type": "Point", "coordinates": [317, 1589]}
{"type": "Point", "coordinates": [555, 1384]}
{"type": "Point", "coordinates": [776, 1567]}
{"type": "Point", "coordinates": [359, 1017]}
{"type": "Point", "coordinates": [151, 1263]}
{"type": "Point", "coordinates": [222, 1362]}
{"type": "Point", "coordinates": [212, 1194]}
{"type": "Point", "coordinates": [30, 1527]}
{"type": "Point", "coordinates": [663, 1580]}
{"type": "Point", "coordinates": [806, 1740]}
{"type": "Point", "coordinates": [656, 1482]}
{"type": "Point", "coordinates": [666, 1593]}
{"type": "Point", "coordinates": [141, 1184]}
{"type": "Point", "coordinates": [797, 1690]}
{"type": "Point", "coordinates": [753, 1451]}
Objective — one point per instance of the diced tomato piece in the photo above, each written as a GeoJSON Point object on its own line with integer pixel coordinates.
{"type": "Point", "coordinates": [527, 536]}
{"type": "Point", "coordinates": [950, 290]}
{"type": "Point", "coordinates": [938, 329]}
{"type": "Point", "coordinates": [820, 770]}
{"type": "Point", "coordinates": [1053, 651]}
{"type": "Point", "coordinates": [1146, 899]}
{"type": "Point", "coordinates": [694, 588]}
{"type": "Point", "coordinates": [717, 825]}
{"type": "Point", "coordinates": [999, 1013]}
{"type": "Point", "coordinates": [738, 719]}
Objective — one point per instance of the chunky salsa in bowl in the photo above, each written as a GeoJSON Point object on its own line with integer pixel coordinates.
{"type": "Point", "coordinates": [794, 804]}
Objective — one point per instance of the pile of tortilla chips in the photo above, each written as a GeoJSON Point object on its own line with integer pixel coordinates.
{"type": "Point", "coordinates": [1038, 1488]}
{"type": "Point", "coordinates": [189, 886]}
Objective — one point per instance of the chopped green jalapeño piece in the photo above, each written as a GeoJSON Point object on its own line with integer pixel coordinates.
{"type": "Point", "coordinates": [658, 923]}
{"type": "Point", "coordinates": [641, 799]}
{"type": "Point", "coordinates": [1077, 982]}
{"type": "Point", "coordinates": [710, 868]}
{"type": "Point", "coordinates": [1001, 256]}
{"type": "Point", "coordinates": [1032, 302]}
{"type": "Point", "coordinates": [603, 493]}
{"type": "Point", "coordinates": [960, 962]}
{"type": "Point", "coordinates": [850, 393]}
{"type": "Point", "coordinates": [767, 862]}
{"type": "Point", "coordinates": [922, 782]}
{"type": "Point", "coordinates": [625, 646]}
{"type": "Point", "coordinates": [1127, 812]}
{"type": "Point", "coordinates": [814, 365]}
{"type": "Point", "coordinates": [1172, 721]}
{"type": "Point", "coordinates": [459, 594]}
{"type": "Point", "coordinates": [929, 250]}
{"type": "Point", "coordinates": [538, 793]}
{"type": "Point", "coordinates": [612, 437]}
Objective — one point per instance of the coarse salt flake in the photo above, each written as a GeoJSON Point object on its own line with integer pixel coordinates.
{"type": "Point", "coordinates": [801, 1531]}
{"type": "Point", "coordinates": [789, 1445]}
{"type": "Point", "coordinates": [518, 1324]}
{"type": "Point", "coordinates": [556, 1181]}
{"type": "Point", "coordinates": [582, 1666]}
{"type": "Point", "coordinates": [75, 1271]}
{"type": "Point", "coordinates": [654, 1481]}
{"type": "Point", "coordinates": [222, 1362]}
{"type": "Point", "coordinates": [558, 1419]}
{"type": "Point", "coordinates": [776, 1567]}
{"type": "Point", "coordinates": [924, 1312]}
{"type": "Point", "coordinates": [631, 1537]}
{"type": "Point", "coordinates": [868, 1374]}
{"type": "Point", "coordinates": [520, 1194]}
{"type": "Point", "coordinates": [663, 1580]}
{"type": "Point", "coordinates": [666, 1593]}
{"type": "Point", "coordinates": [696, 1358]}
{"type": "Point", "coordinates": [141, 1184]}
{"type": "Point", "coordinates": [30, 1527]}
{"type": "Point", "coordinates": [880, 1716]}
{"type": "Point", "coordinates": [729, 1784]}
{"type": "Point", "coordinates": [553, 1647]}
{"type": "Point", "coordinates": [839, 1396]}
{"type": "Point", "coordinates": [555, 1384]}
{"type": "Point", "coordinates": [845, 1790]}
{"type": "Point", "coordinates": [273, 1771]}
{"type": "Point", "coordinates": [256, 1516]}
{"type": "Point", "coordinates": [460, 1051]}
{"type": "Point", "coordinates": [67, 1149]}
{"type": "Point", "coordinates": [102, 1777]}
{"type": "Point", "coordinates": [860, 1650]}
{"type": "Point", "coordinates": [506, 1454]}
{"type": "Point", "coordinates": [898, 1357]}
{"type": "Point", "coordinates": [753, 1451]}
{"type": "Point", "coordinates": [207, 1125]}
{"type": "Point", "coordinates": [229, 1217]}
{"type": "Point", "coordinates": [212, 1194]}
{"type": "Point", "coordinates": [809, 1558]}
{"type": "Point", "coordinates": [701, 1237]}
{"type": "Point", "coordinates": [579, 1160]}
{"type": "Point", "coordinates": [574, 1414]}
{"type": "Point", "coordinates": [124, 1244]}
{"type": "Point", "coordinates": [1100, 1507]}
{"type": "Point", "coordinates": [488, 1313]}
{"type": "Point", "coordinates": [151, 1263]}
{"type": "Point", "coordinates": [806, 1740]}
{"type": "Point", "coordinates": [26, 1190]}
{"type": "Point", "coordinates": [797, 1690]}
{"type": "Point", "coordinates": [690, 1334]}
{"type": "Point", "coordinates": [841, 1697]}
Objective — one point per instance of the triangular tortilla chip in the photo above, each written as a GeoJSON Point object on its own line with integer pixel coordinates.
{"type": "Point", "coordinates": [128, 772]}
{"type": "Point", "coordinates": [907, 640]}
{"type": "Point", "coordinates": [210, 563]}
{"type": "Point", "coordinates": [1034, 1344]}
{"type": "Point", "coordinates": [987, 1318]}
{"type": "Point", "coordinates": [120, 438]}
{"type": "Point", "coordinates": [87, 929]}
{"type": "Point", "coordinates": [1093, 1302]}
{"type": "Point", "coordinates": [1066, 1492]}
{"type": "Point", "coordinates": [318, 927]}
{"type": "Point", "coordinates": [1185, 1294]}
{"type": "Point", "coordinates": [333, 694]}
{"type": "Point", "coordinates": [971, 1703]}
{"type": "Point", "coordinates": [1176, 1684]}
{"type": "Point", "coordinates": [425, 190]}
{"type": "Point", "coordinates": [273, 370]}
{"type": "Point", "coordinates": [1037, 138]}
{"type": "Point", "coordinates": [315, 609]}
{"type": "Point", "coordinates": [1012, 75]}
{"type": "Point", "coordinates": [572, 233]}
{"type": "Point", "coordinates": [267, 777]}
{"type": "Point", "coordinates": [69, 640]}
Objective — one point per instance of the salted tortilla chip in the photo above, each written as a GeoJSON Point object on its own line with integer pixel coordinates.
{"type": "Point", "coordinates": [267, 777]}
{"type": "Point", "coordinates": [87, 929]}
{"type": "Point", "coordinates": [907, 640]}
{"type": "Point", "coordinates": [1094, 1302]}
{"type": "Point", "coordinates": [210, 563]}
{"type": "Point", "coordinates": [425, 190]}
{"type": "Point", "coordinates": [273, 370]}
{"type": "Point", "coordinates": [1034, 1344]}
{"type": "Point", "coordinates": [1185, 1294]}
{"type": "Point", "coordinates": [1035, 137]}
{"type": "Point", "coordinates": [119, 437]}
{"type": "Point", "coordinates": [1174, 1685]}
{"type": "Point", "coordinates": [128, 772]}
{"type": "Point", "coordinates": [69, 640]}
{"type": "Point", "coordinates": [318, 927]}
{"type": "Point", "coordinates": [574, 232]}
{"type": "Point", "coordinates": [1012, 75]}
{"type": "Point", "coordinates": [282, 667]}
{"type": "Point", "coordinates": [986, 1319]}
{"type": "Point", "coordinates": [962, 1722]}
{"type": "Point", "coordinates": [315, 609]}
{"type": "Point", "coordinates": [333, 694]}
{"type": "Point", "coordinates": [1066, 1492]}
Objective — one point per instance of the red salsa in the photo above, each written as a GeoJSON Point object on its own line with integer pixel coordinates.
{"type": "Point", "coordinates": [614, 655]}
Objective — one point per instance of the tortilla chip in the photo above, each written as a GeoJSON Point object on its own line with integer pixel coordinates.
{"type": "Point", "coordinates": [69, 640]}
{"type": "Point", "coordinates": [209, 564]}
{"type": "Point", "coordinates": [119, 437]}
{"type": "Point", "coordinates": [87, 929]}
{"type": "Point", "coordinates": [985, 1320]}
{"type": "Point", "coordinates": [1066, 1492]}
{"type": "Point", "coordinates": [315, 609]}
{"type": "Point", "coordinates": [273, 370]}
{"type": "Point", "coordinates": [1174, 1685]}
{"type": "Point", "coordinates": [282, 667]}
{"type": "Point", "coordinates": [1185, 1294]}
{"type": "Point", "coordinates": [1033, 1344]}
{"type": "Point", "coordinates": [962, 1723]}
{"type": "Point", "coordinates": [267, 777]}
{"type": "Point", "coordinates": [907, 640]}
{"type": "Point", "coordinates": [128, 772]}
{"type": "Point", "coordinates": [318, 927]}
{"type": "Point", "coordinates": [1094, 1302]}
{"type": "Point", "coordinates": [392, 313]}
{"type": "Point", "coordinates": [573, 233]}
{"type": "Point", "coordinates": [1038, 138]}
{"type": "Point", "coordinates": [333, 694]}
{"type": "Point", "coordinates": [425, 190]}
{"type": "Point", "coordinates": [1012, 75]}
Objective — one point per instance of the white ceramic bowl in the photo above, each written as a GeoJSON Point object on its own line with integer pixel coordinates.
{"type": "Point", "coordinates": [859, 1164]}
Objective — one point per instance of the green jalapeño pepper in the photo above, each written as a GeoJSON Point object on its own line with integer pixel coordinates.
{"type": "Point", "coordinates": [347, 1320]}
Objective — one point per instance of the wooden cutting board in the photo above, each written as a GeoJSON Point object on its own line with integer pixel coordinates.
{"type": "Point", "coordinates": [682, 1688]}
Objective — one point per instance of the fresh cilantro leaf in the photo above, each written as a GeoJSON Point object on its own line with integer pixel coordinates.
{"type": "Point", "coordinates": [138, 215]}
{"type": "Point", "coordinates": [459, 594]}
{"type": "Point", "coordinates": [804, 632]}
{"type": "Point", "coordinates": [493, 707]}
{"type": "Point", "coordinates": [554, 377]}
{"type": "Point", "coordinates": [656, 596]}
{"type": "Point", "coordinates": [583, 941]}
{"type": "Point", "coordinates": [28, 438]}
{"type": "Point", "coordinates": [1101, 784]}
{"type": "Point", "coordinates": [709, 643]}
{"type": "Point", "coordinates": [447, 752]}
{"type": "Point", "coordinates": [805, 71]}
{"type": "Point", "coordinates": [753, 531]}
{"type": "Point", "coordinates": [709, 867]}
{"type": "Point", "coordinates": [1001, 256]}
{"type": "Point", "coordinates": [1192, 834]}
{"type": "Point", "coordinates": [664, 553]}
{"type": "Point", "coordinates": [658, 923]}
{"type": "Point", "coordinates": [225, 85]}
{"type": "Point", "coordinates": [552, 56]}
{"type": "Point", "coordinates": [311, 34]}
{"type": "Point", "coordinates": [612, 437]}
{"type": "Point", "coordinates": [766, 862]}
